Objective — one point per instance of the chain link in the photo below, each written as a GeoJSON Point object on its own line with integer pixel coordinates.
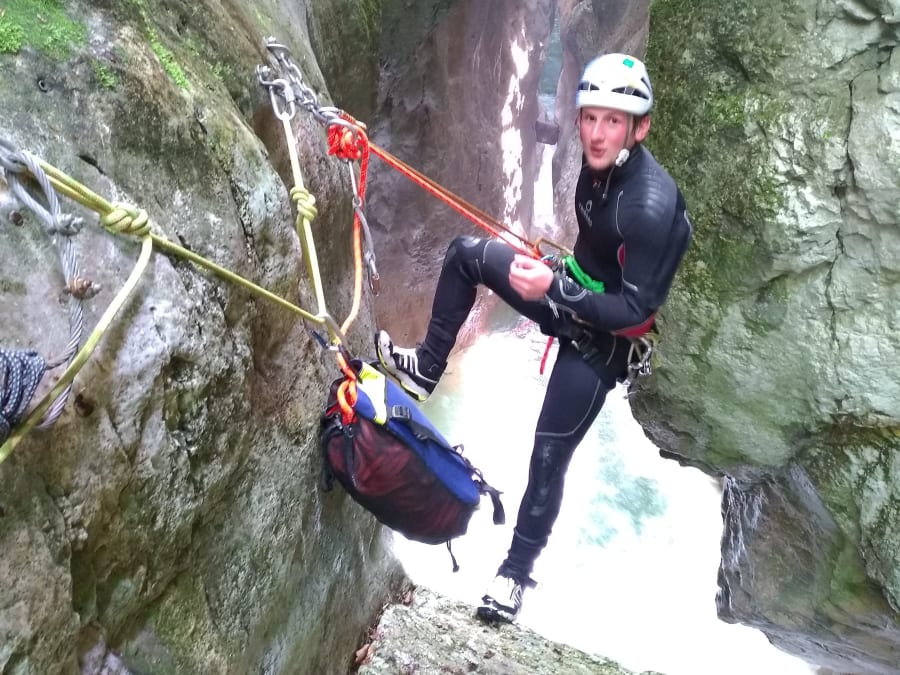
{"type": "Point", "coordinates": [288, 90]}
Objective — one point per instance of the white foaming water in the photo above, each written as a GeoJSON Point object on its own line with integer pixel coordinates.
{"type": "Point", "coordinates": [630, 571]}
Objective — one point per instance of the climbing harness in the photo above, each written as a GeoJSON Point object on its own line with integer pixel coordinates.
{"type": "Point", "coordinates": [640, 356]}
{"type": "Point", "coordinates": [643, 338]}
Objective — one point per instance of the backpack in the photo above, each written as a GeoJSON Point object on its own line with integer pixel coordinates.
{"type": "Point", "coordinates": [390, 459]}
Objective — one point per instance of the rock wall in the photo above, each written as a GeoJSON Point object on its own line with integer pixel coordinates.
{"type": "Point", "coordinates": [587, 28]}
{"type": "Point", "coordinates": [457, 101]}
{"type": "Point", "coordinates": [171, 521]}
{"type": "Point", "coordinates": [781, 122]}
{"type": "Point", "coordinates": [430, 634]}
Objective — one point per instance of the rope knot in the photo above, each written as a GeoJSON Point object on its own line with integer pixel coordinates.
{"type": "Point", "coordinates": [306, 203]}
{"type": "Point", "coordinates": [67, 225]}
{"type": "Point", "coordinates": [125, 219]}
{"type": "Point", "coordinates": [346, 143]}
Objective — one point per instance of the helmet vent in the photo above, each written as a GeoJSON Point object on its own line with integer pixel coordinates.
{"type": "Point", "coordinates": [631, 91]}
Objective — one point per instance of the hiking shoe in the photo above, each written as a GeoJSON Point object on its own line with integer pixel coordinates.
{"type": "Point", "coordinates": [502, 601]}
{"type": "Point", "coordinates": [403, 364]}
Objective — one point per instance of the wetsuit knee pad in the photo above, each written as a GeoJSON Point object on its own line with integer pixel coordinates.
{"type": "Point", "coordinates": [548, 466]}
{"type": "Point", "coordinates": [465, 252]}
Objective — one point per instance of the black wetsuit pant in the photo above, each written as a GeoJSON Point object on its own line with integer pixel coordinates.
{"type": "Point", "coordinates": [585, 370]}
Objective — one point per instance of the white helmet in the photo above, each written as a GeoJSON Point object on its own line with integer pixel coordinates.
{"type": "Point", "coordinates": [616, 81]}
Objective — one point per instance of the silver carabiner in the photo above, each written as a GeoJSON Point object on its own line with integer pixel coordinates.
{"type": "Point", "coordinates": [264, 76]}
{"type": "Point", "coordinates": [279, 51]}
{"type": "Point", "coordinates": [283, 103]}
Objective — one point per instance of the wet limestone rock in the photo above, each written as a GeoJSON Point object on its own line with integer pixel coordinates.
{"type": "Point", "coordinates": [781, 123]}
{"type": "Point", "coordinates": [433, 634]}
{"type": "Point", "coordinates": [457, 101]}
{"type": "Point", "coordinates": [171, 521]}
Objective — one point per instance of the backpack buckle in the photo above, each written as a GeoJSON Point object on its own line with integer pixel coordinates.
{"type": "Point", "coordinates": [400, 412]}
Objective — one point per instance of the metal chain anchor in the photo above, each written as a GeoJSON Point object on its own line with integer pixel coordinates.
{"type": "Point", "coordinates": [287, 91]}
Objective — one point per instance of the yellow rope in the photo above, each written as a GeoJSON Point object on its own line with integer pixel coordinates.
{"type": "Point", "coordinates": [357, 277]}
{"type": "Point", "coordinates": [306, 213]}
{"type": "Point", "coordinates": [125, 219]}
{"type": "Point", "coordinates": [83, 354]}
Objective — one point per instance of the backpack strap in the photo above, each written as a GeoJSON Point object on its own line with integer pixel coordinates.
{"type": "Point", "coordinates": [452, 557]}
{"type": "Point", "coordinates": [494, 494]}
{"type": "Point", "coordinates": [403, 414]}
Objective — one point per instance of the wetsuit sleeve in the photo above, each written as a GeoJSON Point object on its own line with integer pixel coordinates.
{"type": "Point", "coordinates": [655, 234]}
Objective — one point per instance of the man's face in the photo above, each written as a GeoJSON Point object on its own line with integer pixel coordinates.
{"type": "Point", "coordinates": [604, 132]}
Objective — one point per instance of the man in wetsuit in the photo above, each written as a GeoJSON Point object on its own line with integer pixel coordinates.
{"type": "Point", "coordinates": [633, 231]}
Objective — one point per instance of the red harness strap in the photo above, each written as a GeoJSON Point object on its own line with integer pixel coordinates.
{"type": "Point", "coordinates": [637, 330]}
{"type": "Point", "coordinates": [632, 332]}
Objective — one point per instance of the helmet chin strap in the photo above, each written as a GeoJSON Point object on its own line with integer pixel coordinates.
{"type": "Point", "coordinates": [625, 153]}
{"type": "Point", "coordinates": [621, 158]}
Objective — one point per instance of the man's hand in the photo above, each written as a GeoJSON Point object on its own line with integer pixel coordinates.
{"type": "Point", "coordinates": [530, 278]}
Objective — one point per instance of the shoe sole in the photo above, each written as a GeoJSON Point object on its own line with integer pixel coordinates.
{"type": "Point", "coordinates": [494, 615]}
{"type": "Point", "coordinates": [384, 345]}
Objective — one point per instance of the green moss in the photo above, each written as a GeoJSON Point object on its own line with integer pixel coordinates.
{"type": "Point", "coordinates": [105, 75]}
{"type": "Point", "coordinates": [368, 13]}
{"type": "Point", "coordinates": [42, 24]}
{"type": "Point", "coordinates": [222, 71]}
{"type": "Point", "coordinates": [12, 287]}
{"type": "Point", "coordinates": [714, 112]}
{"type": "Point", "coordinates": [12, 36]}
{"type": "Point", "coordinates": [169, 64]}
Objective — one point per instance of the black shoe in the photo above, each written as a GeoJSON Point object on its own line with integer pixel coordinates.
{"type": "Point", "coordinates": [502, 601]}
{"type": "Point", "coordinates": [403, 364]}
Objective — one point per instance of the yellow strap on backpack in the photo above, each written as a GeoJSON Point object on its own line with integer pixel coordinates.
{"type": "Point", "coordinates": [374, 383]}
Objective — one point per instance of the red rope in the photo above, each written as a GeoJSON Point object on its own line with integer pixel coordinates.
{"type": "Point", "coordinates": [353, 144]}
{"type": "Point", "coordinates": [346, 393]}
{"type": "Point", "coordinates": [348, 144]}
{"type": "Point", "coordinates": [477, 216]}
{"type": "Point", "coordinates": [546, 353]}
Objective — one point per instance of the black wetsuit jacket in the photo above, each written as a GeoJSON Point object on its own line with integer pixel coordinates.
{"type": "Point", "coordinates": [633, 231]}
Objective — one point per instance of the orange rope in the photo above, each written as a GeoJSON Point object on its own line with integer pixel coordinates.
{"type": "Point", "coordinates": [352, 146]}
{"type": "Point", "coordinates": [346, 393]}
{"type": "Point", "coordinates": [461, 206]}
{"type": "Point", "coordinates": [346, 396]}
{"type": "Point", "coordinates": [348, 145]}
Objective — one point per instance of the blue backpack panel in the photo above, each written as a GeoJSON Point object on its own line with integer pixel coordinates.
{"type": "Point", "coordinates": [391, 459]}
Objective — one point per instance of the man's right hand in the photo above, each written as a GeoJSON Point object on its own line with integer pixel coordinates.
{"type": "Point", "coordinates": [530, 278]}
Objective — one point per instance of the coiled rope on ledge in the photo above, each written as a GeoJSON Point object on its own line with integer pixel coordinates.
{"type": "Point", "coordinates": [20, 374]}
